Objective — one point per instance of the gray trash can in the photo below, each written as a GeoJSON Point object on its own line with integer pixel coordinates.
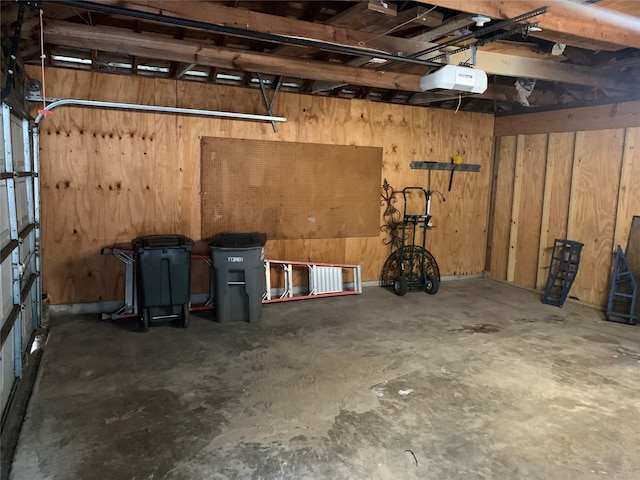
{"type": "Point", "coordinates": [163, 277]}
{"type": "Point", "coordinates": [238, 279]}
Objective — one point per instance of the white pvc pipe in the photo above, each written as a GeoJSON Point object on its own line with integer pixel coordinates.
{"type": "Point", "coordinates": [155, 108]}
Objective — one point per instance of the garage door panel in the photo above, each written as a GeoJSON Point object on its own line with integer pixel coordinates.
{"type": "Point", "coordinates": [7, 361]}
{"type": "Point", "coordinates": [5, 233]}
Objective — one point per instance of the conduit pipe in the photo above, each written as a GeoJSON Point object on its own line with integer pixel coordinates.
{"type": "Point", "coordinates": [149, 108]}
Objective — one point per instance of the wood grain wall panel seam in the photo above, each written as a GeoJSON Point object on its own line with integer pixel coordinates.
{"type": "Point", "coordinates": [557, 190]}
{"type": "Point", "coordinates": [501, 207]}
{"type": "Point", "coordinates": [573, 190]}
{"type": "Point", "coordinates": [546, 216]}
{"type": "Point", "coordinates": [571, 177]}
{"type": "Point", "coordinates": [621, 198]}
{"type": "Point", "coordinates": [515, 209]}
{"type": "Point", "coordinates": [530, 209]}
{"type": "Point", "coordinates": [629, 192]}
{"type": "Point", "coordinates": [492, 203]}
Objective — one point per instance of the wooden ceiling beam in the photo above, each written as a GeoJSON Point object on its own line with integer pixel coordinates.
{"type": "Point", "coordinates": [94, 60]}
{"type": "Point", "coordinates": [462, 20]}
{"type": "Point", "coordinates": [493, 63]}
{"type": "Point", "coordinates": [573, 20]}
{"type": "Point", "coordinates": [184, 68]}
{"type": "Point", "coordinates": [373, 17]}
{"type": "Point", "coordinates": [496, 92]}
{"type": "Point", "coordinates": [261, 22]}
{"type": "Point", "coordinates": [307, 85]}
{"type": "Point", "coordinates": [538, 97]}
{"type": "Point", "coordinates": [364, 92]}
{"type": "Point", "coordinates": [213, 74]}
{"type": "Point", "coordinates": [522, 67]}
{"type": "Point", "coordinates": [152, 46]}
{"type": "Point", "coordinates": [130, 43]}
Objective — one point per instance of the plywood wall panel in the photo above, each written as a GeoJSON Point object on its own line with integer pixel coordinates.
{"type": "Point", "coordinates": [530, 209]}
{"type": "Point", "coordinates": [592, 215]}
{"type": "Point", "coordinates": [590, 191]}
{"type": "Point", "coordinates": [629, 193]}
{"type": "Point", "coordinates": [555, 203]}
{"type": "Point", "coordinates": [154, 158]}
{"type": "Point", "coordinates": [501, 209]}
{"type": "Point", "coordinates": [318, 118]}
{"type": "Point", "coordinates": [440, 140]}
{"type": "Point", "coordinates": [477, 186]}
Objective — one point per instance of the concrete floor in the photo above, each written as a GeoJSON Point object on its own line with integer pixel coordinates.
{"type": "Point", "coordinates": [481, 381]}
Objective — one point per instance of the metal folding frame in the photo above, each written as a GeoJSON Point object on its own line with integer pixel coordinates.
{"type": "Point", "coordinates": [623, 294]}
{"type": "Point", "coordinates": [130, 307]}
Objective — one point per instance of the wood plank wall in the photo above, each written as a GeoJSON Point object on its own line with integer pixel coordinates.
{"type": "Point", "coordinates": [110, 176]}
{"type": "Point", "coordinates": [565, 176]}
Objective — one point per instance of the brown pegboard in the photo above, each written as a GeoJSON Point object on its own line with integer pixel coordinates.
{"type": "Point", "coordinates": [289, 190]}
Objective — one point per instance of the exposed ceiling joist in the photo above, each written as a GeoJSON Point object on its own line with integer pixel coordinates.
{"type": "Point", "coordinates": [153, 46]}
{"type": "Point", "coordinates": [373, 17]}
{"type": "Point", "coordinates": [515, 66]}
{"type": "Point", "coordinates": [576, 22]}
{"type": "Point", "coordinates": [493, 64]}
{"type": "Point", "coordinates": [114, 40]}
{"type": "Point", "coordinates": [344, 55]}
{"type": "Point", "coordinates": [497, 92]}
{"type": "Point", "coordinates": [265, 23]}
{"type": "Point", "coordinates": [448, 27]}
{"type": "Point", "coordinates": [184, 68]}
{"type": "Point", "coordinates": [537, 98]}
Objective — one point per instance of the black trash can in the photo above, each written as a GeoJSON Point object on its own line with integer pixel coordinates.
{"type": "Point", "coordinates": [163, 278]}
{"type": "Point", "coordinates": [238, 279]}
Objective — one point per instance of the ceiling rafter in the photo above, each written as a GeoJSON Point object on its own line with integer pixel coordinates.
{"type": "Point", "coordinates": [129, 43]}
{"type": "Point", "coordinates": [579, 24]}
{"type": "Point", "coordinates": [449, 26]}
{"type": "Point", "coordinates": [332, 45]}
{"type": "Point", "coordinates": [266, 23]}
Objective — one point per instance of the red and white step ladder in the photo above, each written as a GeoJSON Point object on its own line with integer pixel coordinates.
{"type": "Point", "coordinates": [323, 280]}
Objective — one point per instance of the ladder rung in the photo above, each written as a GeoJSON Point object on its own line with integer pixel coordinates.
{"type": "Point", "coordinates": [625, 295]}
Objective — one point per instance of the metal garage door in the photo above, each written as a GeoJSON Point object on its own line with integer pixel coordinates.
{"type": "Point", "coordinates": [19, 239]}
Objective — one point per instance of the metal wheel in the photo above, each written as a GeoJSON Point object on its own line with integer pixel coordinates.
{"type": "Point", "coordinates": [412, 263]}
{"type": "Point", "coordinates": [431, 285]}
{"type": "Point", "coordinates": [400, 286]}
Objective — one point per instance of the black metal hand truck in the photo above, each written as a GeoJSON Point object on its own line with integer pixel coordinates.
{"type": "Point", "coordinates": [417, 268]}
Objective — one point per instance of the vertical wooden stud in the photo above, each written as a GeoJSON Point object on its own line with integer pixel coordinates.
{"type": "Point", "coordinates": [515, 209]}
{"type": "Point", "coordinates": [625, 206]}
{"type": "Point", "coordinates": [544, 224]}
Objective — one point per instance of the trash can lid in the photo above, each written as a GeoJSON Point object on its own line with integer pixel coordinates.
{"type": "Point", "coordinates": [243, 239]}
{"type": "Point", "coordinates": [163, 241]}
